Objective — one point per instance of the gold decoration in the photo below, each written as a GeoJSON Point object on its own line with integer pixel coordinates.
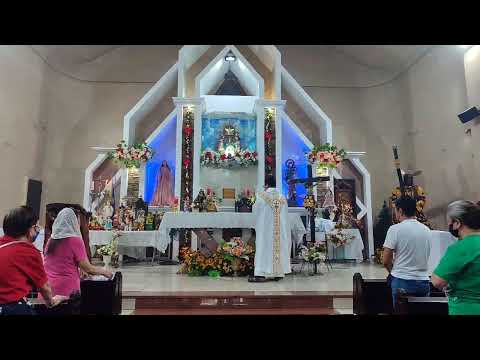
{"type": "Point", "coordinates": [275, 202]}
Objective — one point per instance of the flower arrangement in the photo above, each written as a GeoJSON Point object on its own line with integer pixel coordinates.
{"type": "Point", "coordinates": [133, 156]}
{"type": "Point", "coordinates": [242, 158]}
{"type": "Point", "coordinates": [111, 248]}
{"type": "Point", "coordinates": [326, 155]}
{"type": "Point", "coordinates": [230, 258]}
{"type": "Point", "coordinates": [339, 237]}
{"type": "Point", "coordinates": [313, 253]}
{"type": "Point", "coordinates": [235, 248]}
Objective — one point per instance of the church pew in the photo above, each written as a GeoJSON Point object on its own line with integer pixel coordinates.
{"type": "Point", "coordinates": [411, 305]}
{"type": "Point", "coordinates": [374, 296]}
{"type": "Point", "coordinates": [371, 296]}
{"type": "Point", "coordinates": [97, 298]}
{"type": "Point", "coordinates": [102, 297]}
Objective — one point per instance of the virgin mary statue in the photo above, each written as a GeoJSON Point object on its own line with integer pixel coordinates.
{"type": "Point", "coordinates": [164, 187]}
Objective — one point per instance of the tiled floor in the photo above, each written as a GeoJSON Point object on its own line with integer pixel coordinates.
{"type": "Point", "coordinates": [148, 278]}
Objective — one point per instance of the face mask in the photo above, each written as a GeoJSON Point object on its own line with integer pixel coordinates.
{"type": "Point", "coordinates": [34, 238]}
{"type": "Point", "coordinates": [453, 231]}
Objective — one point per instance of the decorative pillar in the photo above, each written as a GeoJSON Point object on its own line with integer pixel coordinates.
{"type": "Point", "coordinates": [189, 123]}
{"type": "Point", "coordinates": [270, 144]}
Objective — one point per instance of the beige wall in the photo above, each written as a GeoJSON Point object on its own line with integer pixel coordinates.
{"type": "Point", "coordinates": [22, 122]}
{"type": "Point", "coordinates": [81, 115]}
{"type": "Point", "coordinates": [435, 91]}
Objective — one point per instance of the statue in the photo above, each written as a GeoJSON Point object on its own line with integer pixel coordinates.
{"type": "Point", "coordinates": [200, 202]}
{"type": "Point", "coordinates": [164, 187]}
{"type": "Point", "coordinates": [211, 201]}
{"type": "Point", "coordinates": [108, 210]}
{"type": "Point", "coordinates": [229, 142]}
{"type": "Point", "coordinates": [291, 174]}
{"type": "Point", "coordinates": [149, 222]}
{"type": "Point", "coordinates": [407, 187]}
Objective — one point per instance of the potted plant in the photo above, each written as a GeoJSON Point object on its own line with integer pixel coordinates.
{"type": "Point", "coordinates": [109, 250]}
{"type": "Point", "coordinates": [313, 254]}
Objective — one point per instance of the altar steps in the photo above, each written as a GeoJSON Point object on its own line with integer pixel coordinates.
{"type": "Point", "coordinates": [236, 303]}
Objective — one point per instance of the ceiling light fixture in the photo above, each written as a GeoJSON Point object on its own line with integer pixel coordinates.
{"type": "Point", "coordinates": [230, 56]}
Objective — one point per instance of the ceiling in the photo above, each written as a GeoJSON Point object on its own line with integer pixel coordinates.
{"type": "Point", "coordinates": [315, 65]}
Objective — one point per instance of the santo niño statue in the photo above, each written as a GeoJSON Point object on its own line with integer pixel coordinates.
{"type": "Point", "coordinates": [229, 141]}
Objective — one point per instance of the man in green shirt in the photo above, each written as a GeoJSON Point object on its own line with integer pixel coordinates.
{"type": "Point", "coordinates": [460, 266]}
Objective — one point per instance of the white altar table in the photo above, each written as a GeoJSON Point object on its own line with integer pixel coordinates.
{"type": "Point", "coordinates": [128, 239]}
{"type": "Point", "coordinates": [217, 220]}
{"type": "Point", "coordinates": [353, 250]}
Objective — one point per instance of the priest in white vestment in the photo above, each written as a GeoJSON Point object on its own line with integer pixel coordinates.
{"type": "Point", "coordinates": [273, 236]}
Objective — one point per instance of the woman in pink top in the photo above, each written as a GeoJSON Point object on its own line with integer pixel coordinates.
{"type": "Point", "coordinates": [65, 253]}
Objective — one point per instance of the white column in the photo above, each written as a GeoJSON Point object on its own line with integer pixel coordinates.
{"type": "Point", "coordinates": [141, 181]}
{"type": "Point", "coordinates": [124, 183]}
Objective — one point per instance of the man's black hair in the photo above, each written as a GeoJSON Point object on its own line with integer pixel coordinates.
{"type": "Point", "coordinates": [407, 204]}
{"type": "Point", "coordinates": [18, 221]}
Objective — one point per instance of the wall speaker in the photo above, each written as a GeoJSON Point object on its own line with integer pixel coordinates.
{"type": "Point", "coordinates": [469, 115]}
{"type": "Point", "coordinates": [34, 195]}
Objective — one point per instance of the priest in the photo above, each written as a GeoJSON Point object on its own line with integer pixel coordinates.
{"type": "Point", "coordinates": [273, 236]}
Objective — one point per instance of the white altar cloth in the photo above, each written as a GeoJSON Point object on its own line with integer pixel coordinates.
{"type": "Point", "coordinates": [218, 220]}
{"type": "Point", "coordinates": [128, 239]}
{"type": "Point", "coordinates": [352, 250]}
{"type": "Point", "coordinates": [439, 243]}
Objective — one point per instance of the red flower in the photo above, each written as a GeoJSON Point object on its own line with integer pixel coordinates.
{"type": "Point", "coordinates": [268, 136]}
{"type": "Point", "coordinates": [269, 159]}
{"type": "Point", "coordinates": [188, 131]}
{"type": "Point", "coordinates": [186, 163]}
{"type": "Point", "coordinates": [223, 157]}
{"type": "Point", "coordinates": [208, 154]}
{"type": "Point", "coordinates": [247, 155]}
{"type": "Point", "coordinates": [254, 154]}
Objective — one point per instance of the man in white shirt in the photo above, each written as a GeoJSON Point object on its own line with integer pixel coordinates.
{"type": "Point", "coordinates": [409, 240]}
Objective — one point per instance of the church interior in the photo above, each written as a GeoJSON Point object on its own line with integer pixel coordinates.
{"type": "Point", "coordinates": [240, 179]}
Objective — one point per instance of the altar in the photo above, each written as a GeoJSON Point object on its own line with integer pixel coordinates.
{"type": "Point", "coordinates": [216, 220]}
{"type": "Point", "coordinates": [227, 130]}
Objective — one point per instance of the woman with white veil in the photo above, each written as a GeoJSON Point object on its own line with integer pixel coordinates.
{"type": "Point", "coordinates": [65, 254]}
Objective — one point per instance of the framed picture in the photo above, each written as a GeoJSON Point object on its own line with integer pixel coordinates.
{"type": "Point", "coordinates": [228, 193]}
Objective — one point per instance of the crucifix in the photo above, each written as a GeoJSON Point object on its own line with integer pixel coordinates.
{"type": "Point", "coordinates": [309, 182]}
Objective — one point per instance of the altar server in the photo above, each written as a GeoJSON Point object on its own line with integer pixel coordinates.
{"type": "Point", "coordinates": [273, 236]}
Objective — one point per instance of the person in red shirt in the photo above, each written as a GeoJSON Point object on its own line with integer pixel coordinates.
{"type": "Point", "coordinates": [21, 264]}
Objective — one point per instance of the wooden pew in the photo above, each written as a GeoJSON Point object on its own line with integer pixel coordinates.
{"type": "Point", "coordinates": [374, 296]}
{"type": "Point", "coordinates": [97, 298]}
{"type": "Point", "coordinates": [371, 296]}
{"type": "Point", "coordinates": [102, 297]}
{"type": "Point", "coordinates": [411, 305]}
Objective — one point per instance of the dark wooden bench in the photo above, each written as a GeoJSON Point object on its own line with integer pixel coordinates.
{"type": "Point", "coordinates": [102, 297]}
{"type": "Point", "coordinates": [371, 296]}
{"type": "Point", "coordinates": [374, 296]}
{"type": "Point", "coordinates": [411, 305]}
{"type": "Point", "coordinates": [97, 298]}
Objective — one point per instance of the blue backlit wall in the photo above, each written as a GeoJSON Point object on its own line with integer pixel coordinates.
{"type": "Point", "coordinates": [164, 144]}
{"type": "Point", "coordinates": [293, 147]}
